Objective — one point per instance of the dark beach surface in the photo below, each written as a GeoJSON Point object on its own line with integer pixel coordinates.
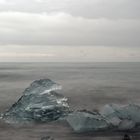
{"type": "Point", "coordinates": [87, 86]}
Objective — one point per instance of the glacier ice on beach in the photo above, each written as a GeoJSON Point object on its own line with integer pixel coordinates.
{"type": "Point", "coordinates": [126, 112]}
{"type": "Point", "coordinates": [126, 125]}
{"type": "Point", "coordinates": [83, 121]}
{"type": "Point", "coordinates": [111, 117]}
{"type": "Point", "coordinates": [39, 102]}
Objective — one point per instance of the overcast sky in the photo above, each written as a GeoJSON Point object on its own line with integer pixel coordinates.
{"type": "Point", "coordinates": [69, 30]}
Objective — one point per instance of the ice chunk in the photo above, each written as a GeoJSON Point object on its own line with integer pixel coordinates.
{"type": "Point", "coordinates": [39, 102]}
{"type": "Point", "coordinates": [86, 121]}
{"type": "Point", "coordinates": [131, 111]}
{"type": "Point", "coordinates": [110, 114]}
{"type": "Point", "coordinates": [111, 117]}
{"type": "Point", "coordinates": [113, 120]}
{"type": "Point", "coordinates": [126, 125]}
{"type": "Point", "coordinates": [109, 109]}
{"type": "Point", "coordinates": [126, 112]}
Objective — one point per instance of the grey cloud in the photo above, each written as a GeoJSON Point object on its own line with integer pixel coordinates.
{"type": "Point", "coordinates": [50, 30]}
{"type": "Point", "coordinates": [85, 8]}
{"type": "Point", "coordinates": [64, 29]}
{"type": "Point", "coordinates": [70, 22]}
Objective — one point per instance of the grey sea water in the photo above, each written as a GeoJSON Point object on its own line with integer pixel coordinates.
{"type": "Point", "coordinates": [87, 85]}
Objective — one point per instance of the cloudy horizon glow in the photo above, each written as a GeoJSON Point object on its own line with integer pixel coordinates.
{"type": "Point", "coordinates": [69, 30]}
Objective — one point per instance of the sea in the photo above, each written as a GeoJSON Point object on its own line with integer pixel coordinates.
{"type": "Point", "coordinates": [86, 85]}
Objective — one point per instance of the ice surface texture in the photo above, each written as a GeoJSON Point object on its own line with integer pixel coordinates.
{"type": "Point", "coordinates": [110, 117]}
{"type": "Point", "coordinates": [39, 102]}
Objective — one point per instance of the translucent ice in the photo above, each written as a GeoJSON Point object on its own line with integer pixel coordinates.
{"type": "Point", "coordinates": [111, 117]}
{"type": "Point", "coordinates": [129, 112]}
{"type": "Point", "coordinates": [126, 125]}
{"type": "Point", "coordinates": [125, 117]}
{"type": "Point", "coordinates": [39, 102]}
{"type": "Point", "coordinates": [86, 121]}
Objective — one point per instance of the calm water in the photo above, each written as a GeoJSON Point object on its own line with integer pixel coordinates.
{"type": "Point", "coordinates": [87, 85]}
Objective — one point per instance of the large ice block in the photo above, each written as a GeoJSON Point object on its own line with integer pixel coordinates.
{"type": "Point", "coordinates": [39, 102]}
